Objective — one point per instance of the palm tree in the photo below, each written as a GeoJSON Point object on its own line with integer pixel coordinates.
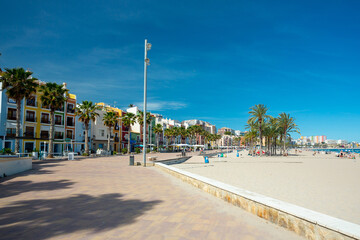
{"type": "Point", "coordinates": [197, 129]}
{"type": "Point", "coordinates": [110, 119]}
{"type": "Point", "coordinates": [128, 120]}
{"type": "Point", "coordinates": [168, 133]}
{"type": "Point", "coordinates": [87, 113]}
{"type": "Point", "coordinates": [191, 133]}
{"type": "Point", "coordinates": [53, 97]}
{"type": "Point", "coordinates": [19, 84]}
{"type": "Point", "coordinates": [158, 129]}
{"type": "Point", "coordinates": [140, 120]}
{"type": "Point", "coordinates": [258, 115]}
{"type": "Point", "coordinates": [183, 133]}
{"type": "Point", "coordinates": [288, 125]}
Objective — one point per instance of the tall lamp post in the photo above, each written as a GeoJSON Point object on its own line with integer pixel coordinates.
{"type": "Point", "coordinates": [146, 63]}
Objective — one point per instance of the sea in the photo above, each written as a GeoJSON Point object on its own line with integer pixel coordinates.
{"type": "Point", "coordinates": [352, 150]}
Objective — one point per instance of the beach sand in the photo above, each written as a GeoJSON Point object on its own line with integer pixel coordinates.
{"type": "Point", "coordinates": [323, 183]}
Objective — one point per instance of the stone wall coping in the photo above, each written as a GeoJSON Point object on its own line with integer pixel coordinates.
{"type": "Point", "coordinates": [335, 224]}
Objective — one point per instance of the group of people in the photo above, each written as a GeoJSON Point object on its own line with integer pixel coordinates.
{"type": "Point", "coordinates": [346, 155]}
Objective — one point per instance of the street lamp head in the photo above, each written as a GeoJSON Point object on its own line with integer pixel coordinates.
{"type": "Point", "coordinates": [147, 61]}
{"type": "Point", "coordinates": [148, 46]}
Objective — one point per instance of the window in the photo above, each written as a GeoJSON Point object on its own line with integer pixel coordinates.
{"type": "Point", "coordinates": [11, 114]}
{"type": "Point", "coordinates": [69, 134]}
{"type": "Point", "coordinates": [44, 134]}
{"type": "Point", "coordinates": [45, 118]}
{"type": "Point", "coordinates": [70, 121]}
{"type": "Point", "coordinates": [60, 109]}
{"type": "Point", "coordinates": [59, 135]}
{"type": "Point", "coordinates": [7, 144]}
{"type": "Point", "coordinates": [102, 132]}
{"type": "Point", "coordinates": [29, 132]}
{"type": "Point", "coordinates": [29, 147]}
{"type": "Point", "coordinates": [11, 132]}
{"type": "Point", "coordinates": [70, 108]}
{"type": "Point", "coordinates": [30, 116]}
{"type": "Point", "coordinates": [58, 120]}
{"type": "Point", "coordinates": [31, 101]}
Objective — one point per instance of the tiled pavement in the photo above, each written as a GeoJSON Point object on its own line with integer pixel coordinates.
{"type": "Point", "coordinates": [104, 198]}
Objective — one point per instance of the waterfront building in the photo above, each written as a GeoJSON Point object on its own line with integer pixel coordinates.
{"type": "Point", "coordinates": [8, 121]}
{"type": "Point", "coordinates": [100, 132]}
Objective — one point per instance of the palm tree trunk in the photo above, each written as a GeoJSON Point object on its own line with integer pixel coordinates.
{"type": "Point", "coordinates": [129, 138]}
{"type": "Point", "coordinates": [51, 133]}
{"type": "Point", "coordinates": [157, 142]}
{"type": "Point", "coordinates": [108, 146]}
{"type": "Point", "coordinates": [17, 142]}
{"type": "Point", "coordinates": [86, 138]}
{"type": "Point", "coordinates": [260, 135]}
{"type": "Point", "coordinates": [284, 143]}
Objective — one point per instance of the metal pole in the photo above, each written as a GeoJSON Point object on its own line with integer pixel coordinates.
{"type": "Point", "coordinates": [144, 113]}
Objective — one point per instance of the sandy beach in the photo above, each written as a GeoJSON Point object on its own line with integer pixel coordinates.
{"type": "Point", "coordinates": [323, 183]}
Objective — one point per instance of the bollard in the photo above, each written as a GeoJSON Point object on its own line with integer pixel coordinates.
{"type": "Point", "coordinates": [131, 163]}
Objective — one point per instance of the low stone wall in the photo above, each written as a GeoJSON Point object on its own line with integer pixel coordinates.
{"type": "Point", "coordinates": [304, 222]}
{"type": "Point", "coordinates": [13, 166]}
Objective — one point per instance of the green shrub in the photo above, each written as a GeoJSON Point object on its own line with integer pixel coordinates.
{"type": "Point", "coordinates": [7, 151]}
{"type": "Point", "coordinates": [147, 150]}
{"type": "Point", "coordinates": [124, 150]}
{"type": "Point", "coordinates": [85, 154]}
{"type": "Point", "coordinates": [137, 150]}
{"type": "Point", "coordinates": [115, 152]}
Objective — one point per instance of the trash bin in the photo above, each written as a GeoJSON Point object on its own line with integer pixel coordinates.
{"type": "Point", "coordinates": [222, 155]}
{"type": "Point", "coordinates": [71, 156]}
{"type": "Point", "coordinates": [206, 159]}
{"type": "Point", "coordinates": [131, 163]}
{"type": "Point", "coordinates": [237, 155]}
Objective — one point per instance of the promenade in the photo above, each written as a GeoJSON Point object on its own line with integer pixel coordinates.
{"type": "Point", "coordinates": [104, 198]}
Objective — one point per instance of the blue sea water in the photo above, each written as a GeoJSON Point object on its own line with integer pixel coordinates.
{"type": "Point", "coordinates": [352, 150]}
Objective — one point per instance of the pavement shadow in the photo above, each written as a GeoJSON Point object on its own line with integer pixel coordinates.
{"type": "Point", "coordinates": [17, 187]}
{"type": "Point", "coordinates": [46, 218]}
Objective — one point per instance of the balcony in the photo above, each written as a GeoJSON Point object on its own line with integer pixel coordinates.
{"type": "Point", "coordinates": [70, 123]}
{"type": "Point", "coordinates": [59, 136]}
{"type": "Point", "coordinates": [11, 117]}
{"type": "Point", "coordinates": [44, 135]}
{"type": "Point", "coordinates": [29, 134]}
{"type": "Point", "coordinates": [116, 139]}
{"type": "Point", "coordinates": [70, 110]}
{"type": "Point", "coordinates": [45, 120]}
{"type": "Point", "coordinates": [59, 123]}
{"type": "Point", "coordinates": [31, 103]}
{"type": "Point", "coordinates": [30, 119]}
{"type": "Point", "coordinates": [71, 136]}
{"type": "Point", "coordinates": [10, 134]}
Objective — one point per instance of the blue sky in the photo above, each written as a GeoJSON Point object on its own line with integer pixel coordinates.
{"type": "Point", "coordinates": [210, 60]}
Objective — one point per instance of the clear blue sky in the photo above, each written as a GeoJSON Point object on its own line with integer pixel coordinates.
{"type": "Point", "coordinates": [210, 60]}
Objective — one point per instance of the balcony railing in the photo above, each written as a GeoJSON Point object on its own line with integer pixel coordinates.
{"type": "Point", "coordinates": [70, 110]}
{"type": "Point", "coordinates": [29, 134]}
{"type": "Point", "coordinates": [70, 124]}
{"type": "Point", "coordinates": [116, 139]}
{"type": "Point", "coordinates": [31, 103]}
{"type": "Point", "coordinates": [10, 134]}
{"type": "Point", "coordinates": [44, 135]}
{"type": "Point", "coordinates": [30, 119]}
{"type": "Point", "coordinates": [45, 120]}
{"type": "Point", "coordinates": [11, 117]}
{"type": "Point", "coordinates": [59, 136]}
{"type": "Point", "coordinates": [59, 123]}
{"type": "Point", "coordinates": [71, 136]}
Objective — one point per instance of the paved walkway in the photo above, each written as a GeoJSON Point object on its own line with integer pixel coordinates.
{"type": "Point", "coordinates": [104, 198]}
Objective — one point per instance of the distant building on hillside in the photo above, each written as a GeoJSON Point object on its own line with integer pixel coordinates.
{"type": "Point", "coordinates": [222, 131]}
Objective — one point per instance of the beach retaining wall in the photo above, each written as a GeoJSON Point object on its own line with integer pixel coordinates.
{"type": "Point", "coordinates": [13, 166]}
{"type": "Point", "coordinates": [304, 222]}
